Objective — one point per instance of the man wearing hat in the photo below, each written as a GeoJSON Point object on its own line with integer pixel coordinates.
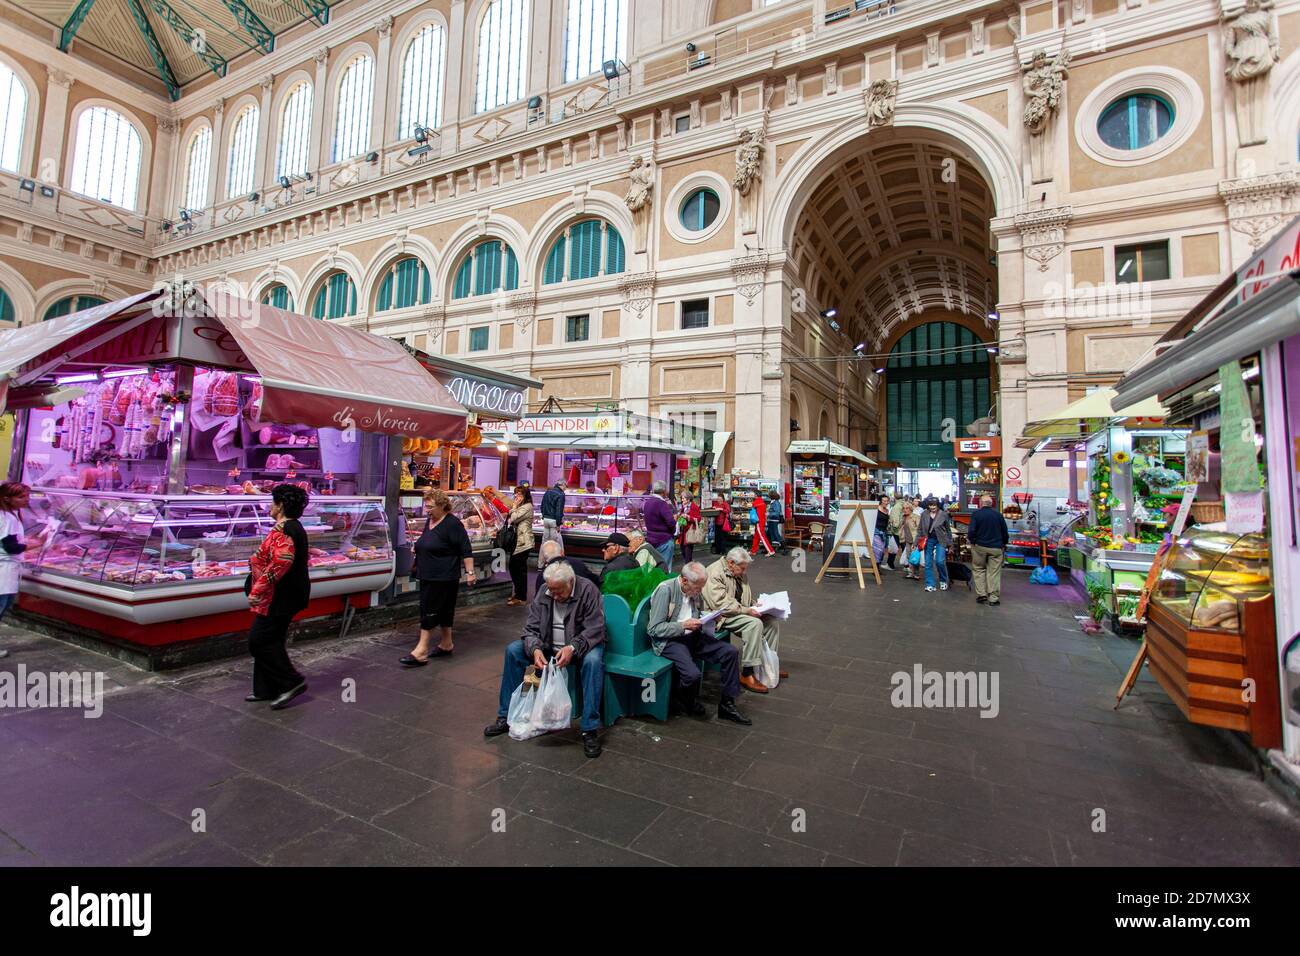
{"type": "Point", "coordinates": [616, 555]}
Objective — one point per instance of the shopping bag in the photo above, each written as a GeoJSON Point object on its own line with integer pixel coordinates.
{"type": "Point", "coordinates": [770, 672]}
{"type": "Point", "coordinates": [914, 558]}
{"type": "Point", "coordinates": [554, 709]}
{"type": "Point", "coordinates": [520, 714]}
{"type": "Point", "coordinates": [1044, 575]}
{"type": "Point", "coordinates": [893, 545]}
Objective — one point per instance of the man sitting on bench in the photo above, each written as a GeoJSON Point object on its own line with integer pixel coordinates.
{"type": "Point", "coordinates": [676, 633]}
{"type": "Point", "coordinates": [566, 621]}
{"type": "Point", "coordinates": [727, 590]}
{"type": "Point", "coordinates": [554, 551]}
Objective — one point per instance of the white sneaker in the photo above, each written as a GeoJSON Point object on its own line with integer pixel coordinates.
{"type": "Point", "coordinates": [928, 588]}
{"type": "Point", "coordinates": [943, 586]}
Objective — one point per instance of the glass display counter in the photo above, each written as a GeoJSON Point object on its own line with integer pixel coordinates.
{"type": "Point", "coordinates": [1210, 628]}
{"type": "Point", "coordinates": [590, 518]}
{"type": "Point", "coordinates": [152, 558]}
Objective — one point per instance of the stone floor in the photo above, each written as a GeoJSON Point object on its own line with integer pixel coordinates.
{"type": "Point", "coordinates": [830, 774]}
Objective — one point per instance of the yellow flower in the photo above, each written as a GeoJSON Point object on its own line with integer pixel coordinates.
{"type": "Point", "coordinates": [1120, 457]}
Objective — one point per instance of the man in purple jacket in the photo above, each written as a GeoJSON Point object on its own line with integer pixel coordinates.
{"type": "Point", "coordinates": [660, 522]}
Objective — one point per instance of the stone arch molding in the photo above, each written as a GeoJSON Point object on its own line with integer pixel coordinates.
{"type": "Point", "coordinates": [484, 226]}
{"type": "Point", "coordinates": [400, 247]}
{"type": "Point", "coordinates": [62, 288]}
{"type": "Point", "coordinates": [277, 275]}
{"type": "Point", "coordinates": [961, 127]}
{"type": "Point", "coordinates": [594, 205]}
{"type": "Point", "coordinates": [342, 261]}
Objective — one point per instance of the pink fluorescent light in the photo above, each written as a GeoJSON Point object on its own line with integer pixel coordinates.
{"type": "Point", "coordinates": [69, 379]}
{"type": "Point", "coordinates": [126, 372]}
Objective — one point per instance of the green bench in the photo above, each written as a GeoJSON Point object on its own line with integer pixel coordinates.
{"type": "Point", "coordinates": [629, 663]}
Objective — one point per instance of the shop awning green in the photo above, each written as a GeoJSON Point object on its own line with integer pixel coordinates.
{"type": "Point", "coordinates": [825, 446]}
{"type": "Point", "coordinates": [1092, 413]}
{"type": "Point", "coordinates": [604, 443]}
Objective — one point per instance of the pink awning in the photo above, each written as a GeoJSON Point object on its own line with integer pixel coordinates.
{"type": "Point", "coordinates": [327, 375]}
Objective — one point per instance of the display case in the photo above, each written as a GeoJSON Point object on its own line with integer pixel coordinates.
{"type": "Point", "coordinates": [1210, 629]}
{"type": "Point", "coordinates": [481, 519]}
{"type": "Point", "coordinates": [1025, 545]}
{"type": "Point", "coordinates": [153, 558]}
{"type": "Point", "coordinates": [811, 489]}
{"type": "Point", "coordinates": [1060, 533]}
{"type": "Point", "coordinates": [594, 517]}
{"type": "Point", "coordinates": [744, 488]}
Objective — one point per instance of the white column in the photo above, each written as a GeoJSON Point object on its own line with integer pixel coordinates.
{"type": "Point", "coordinates": [217, 167]}
{"type": "Point", "coordinates": [161, 178]}
{"type": "Point", "coordinates": [540, 29]}
{"type": "Point", "coordinates": [49, 155]}
{"type": "Point", "coordinates": [265, 146]}
{"type": "Point", "coordinates": [459, 59]}
{"type": "Point", "coordinates": [321, 138]}
{"type": "Point", "coordinates": [379, 127]}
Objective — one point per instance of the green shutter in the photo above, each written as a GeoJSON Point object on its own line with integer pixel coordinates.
{"type": "Point", "coordinates": [512, 270]}
{"type": "Point", "coordinates": [584, 250]}
{"type": "Point", "coordinates": [614, 253]}
{"type": "Point", "coordinates": [318, 306]}
{"type": "Point", "coordinates": [6, 307]}
{"type": "Point", "coordinates": [460, 288]}
{"type": "Point", "coordinates": [278, 296]}
{"type": "Point", "coordinates": [385, 299]}
{"type": "Point", "coordinates": [554, 271]}
{"type": "Point", "coordinates": [487, 267]}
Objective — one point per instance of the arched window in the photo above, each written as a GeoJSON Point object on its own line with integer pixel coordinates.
{"type": "Point", "coordinates": [335, 298]}
{"type": "Point", "coordinates": [594, 248]}
{"type": "Point", "coordinates": [243, 153]}
{"type": "Point", "coordinates": [594, 31]}
{"type": "Point", "coordinates": [352, 120]}
{"type": "Point", "coordinates": [198, 158]}
{"type": "Point", "coordinates": [406, 283]}
{"type": "Point", "coordinates": [489, 266]}
{"type": "Point", "coordinates": [278, 296]}
{"type": "Point", "coordinates": [1135, 121]}
{"type": "Point", "coordinates": [13, 117]}
{"type": "Point", "coordinates": [422, 82]}
{"type": "Point", "coordinates": [295, 132]}
{"type": "Point", "coordinates": [937, 371]}
{"type": "Point", "coordinates": [70, 304]}
{"type": "Point", "coordinates": [6, 307]}
{"type": "Point", "coordinates": [502, 54]}
{"type": "Point", "coordinates": [106, 164]}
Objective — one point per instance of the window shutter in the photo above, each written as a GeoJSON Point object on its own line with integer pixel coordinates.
{"type": "Point", "coordinates": [554, 271]}
{"type": "Point", "coordinates": [614, 253]}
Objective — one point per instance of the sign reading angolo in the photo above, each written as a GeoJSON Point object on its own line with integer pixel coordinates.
{"type": "Point", "coordinates": [482, 396]}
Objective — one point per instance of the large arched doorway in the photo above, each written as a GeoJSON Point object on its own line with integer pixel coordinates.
{"type": "Point", "coordinates": [895, 237]}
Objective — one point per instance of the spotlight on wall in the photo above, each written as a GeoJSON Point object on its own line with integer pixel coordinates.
{"type": "Point", "coordinates": [610, 69]}
{"type": "Point", "coordinates": [421, 134]}
{"type": "Point", "coordinates": [534, 102]}
{"type": "Point", "coordinates": [993, 317]}
{"type": "Point", "coordinates": [830, 313]}
{"type": "Point", "coordinates": [992, 350]}
{"type": "Point", "coordinates": [254, 197]}
{"type": "Point", "coordinates": [860, 348]}
{"type": "Point", "coordinates": [27, 185]}
{"type": "Point", "coordinates": [690, 48]}
{"type": "Point", "coordinates": [166, 225]}
{"type": "Point", "coordinates": [880, 371]}
{"type": "Point", "coordinates": [835, 326]}
{"type": "Point", "coordinates": [284, 182]}
{"type": "Point", "coordinates": [372, 157]}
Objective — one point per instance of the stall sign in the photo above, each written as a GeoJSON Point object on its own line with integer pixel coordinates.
{"type": "Point", "coordinates": [1279, 256]}
{"type": "Point", "coordinates": [966, 447]}
{"type": "Point", "coordinates": [488, 397]}
{"type": "Point", "coordinates": [166, 338]}
{"type": "Point", "coordinates": [569, 425]}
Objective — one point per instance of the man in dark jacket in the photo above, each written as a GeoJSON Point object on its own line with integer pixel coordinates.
{"type": "Point", "coordinates": [566, 623]}
{"type": "Point", "coordinates": [616, 556]}
{"type": "Point", "coordinates": [660, 522]}
{"type": "Point", "coordinates": [988, 537]}
{"type": "Point", "coordinates": [553, 504]}
{"type": "Point", "coordinates": [554, 551]}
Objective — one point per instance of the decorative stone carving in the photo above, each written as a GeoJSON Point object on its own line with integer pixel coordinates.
{"type": "Point", "coordinates": [881, 97]}
{"type": "Point", "coordinates": [791, 89]}
{"type": "Point", "coordinates": [1259, 204]}
{"type": "Point", "coordinates": [266, 83]}
{"type": "Point", "coordinates": [1043, 84]}
{"type": "Point", "coordinates": [523, 308]}
{"type": "Point", "coordinates": [1042, 233]}
{"type": "Point", "coordinates": [749, 173]}
{"type": "Point", "coordinates": [57, 240]}
{"type": "Point", "coordinates": [60, 78]}
{"type": "Point", "coordinates": [384, 27]}
{"type": "Point", "coordinates": [932, 49]}
{"type": "Point", "coordinates": [434, 320]}
{"type": "Point", "coordinates": [638, 291]}
{"type": "Point", "coordinates": [1250, 45]}
{"type": "Point", "coordinates": [87, 249]}
{"type": "Point", "coordinates": [831, 82]}
{"type": "Point", "coordinates": [25, 232]}
{"type": "Point", "coordinates": [640, 197]}
{"type": "Point", "coordinates": [749, 272]}
{"type": "Point", "coordinates": [219, 108]}
{"type": "Point", "coordinates": [168, 125]}
{"type": "Point", "coordinates": [1078, 11]}
{"type": "Point", "coordinates": [726, 104]}
{"type": "Point", "coordinates": [321, 56]}
{"type": "Point", "coordinates": [978, 39]}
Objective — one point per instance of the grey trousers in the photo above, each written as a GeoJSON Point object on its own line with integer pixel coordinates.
{"type": "Point", "coordinates": [751, 631]}
{"type": "Point", "coordinates": [986, 567]}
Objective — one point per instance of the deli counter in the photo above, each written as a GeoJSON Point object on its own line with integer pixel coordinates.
{"type": "Point", "coordinates": [481, 519]}
{"type": "Point", "coordinates": [151, 559]}
{"type": "Point", "coordinates": [590, 518]}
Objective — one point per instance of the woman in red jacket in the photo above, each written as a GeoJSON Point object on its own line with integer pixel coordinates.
{"type": "Point", "coordinates": [759, 526]}
{"type": "Point", "coordinates": [688, 523]}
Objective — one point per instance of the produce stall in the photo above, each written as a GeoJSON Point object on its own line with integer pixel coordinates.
{"type": "Point", "coordinates": [177, 412]}
{"type": "Point", "coordinates": [745, 486]}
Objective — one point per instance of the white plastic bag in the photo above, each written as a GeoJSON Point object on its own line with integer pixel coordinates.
{"type": "Point", "coordinates": [520, 714]}
{"type": "Point", "coordinates": [770, 672]}
{"type": "Point", "coordinates": [554, 709]}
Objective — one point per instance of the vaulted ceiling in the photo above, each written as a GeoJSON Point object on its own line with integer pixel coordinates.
{"type": "Point", "coordinates": [897, 229]}
{"type": "Point", "coordinates": [176, 40]}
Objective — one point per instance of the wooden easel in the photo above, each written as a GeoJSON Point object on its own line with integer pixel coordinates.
{"type": "Point", "coordinates": [1135, 668]}
{"type": "Point", "coordinates": [861, 521]}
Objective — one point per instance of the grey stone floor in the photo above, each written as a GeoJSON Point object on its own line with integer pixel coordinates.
{"type": "Point", "coordinates": [830, 774]}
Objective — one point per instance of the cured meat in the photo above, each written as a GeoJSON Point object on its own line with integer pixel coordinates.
{"type": "Point", "coordinates": [224, 394]}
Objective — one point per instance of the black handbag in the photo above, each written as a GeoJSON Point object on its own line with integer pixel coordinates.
{"type": "Point", "coordinates": [506, 539]}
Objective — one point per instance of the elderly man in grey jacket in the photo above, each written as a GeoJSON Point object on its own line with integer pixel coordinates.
{"type": "Point", "coordinates": [566, 623]}
{"type": "Point", "coordinates": [676, 632]}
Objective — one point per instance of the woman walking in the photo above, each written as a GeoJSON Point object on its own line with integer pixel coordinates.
{"type": "Point", "coordinates": [521, 519]}
{"type": "Point", "coordinates": [907, 526]}
{"type": "Point", "coordinates": [442, 548]}
{"type": "Point", "coordinates": [688, 520]}
{"type": "Point", "coordinates": [278, 588]}
{"type": "Point", "coordinates": [13, 498]}
{"type": "Point", "coordinates": [721, 523]}
{"type": "Point", "coordinates": [758, 524]}
{"type": "Point", "coordinates": [935, 529]}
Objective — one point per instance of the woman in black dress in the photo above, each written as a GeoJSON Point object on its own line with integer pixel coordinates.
{"type": "Point", "coordinates": [439, 553]}
{"type": "Point", "coordinates": [278, 588]}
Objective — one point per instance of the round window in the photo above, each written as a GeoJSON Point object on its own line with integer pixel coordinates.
{"type": "Point", "coordinates": [1135, 121]}
{"type": "Point", "coordinates": [700, 210]}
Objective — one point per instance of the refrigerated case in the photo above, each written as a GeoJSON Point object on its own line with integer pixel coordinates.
{"type": "Point", "coordinates": [590, 518]}
{"type": "Point", "coordinates": [482, 521]}
{"type": "Point", "coordinates": [149, 559]}
{"type": "Point", "coordinates": [1210, 627]}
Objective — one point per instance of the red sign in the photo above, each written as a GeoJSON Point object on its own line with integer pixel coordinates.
{"type": "Point", "coordinates": [1013, 474]}
{"type": "Point", "coordinates": [1280, 255]}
